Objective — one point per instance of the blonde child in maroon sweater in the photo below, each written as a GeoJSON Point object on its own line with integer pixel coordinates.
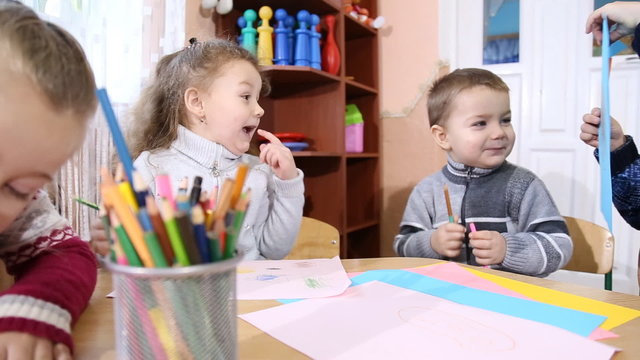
{"type": "Point", "coordinates": [47, 95]}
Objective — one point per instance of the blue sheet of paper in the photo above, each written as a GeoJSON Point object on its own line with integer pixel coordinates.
{"type": "Point", "coordinates": [578, 322]}
{"type": "Point", "coordinates": [604, 131]}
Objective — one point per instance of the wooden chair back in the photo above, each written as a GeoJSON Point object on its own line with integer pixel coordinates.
{"type": "Point", "coordinates": [592, 247]}
{"type": "Point", "coordinates": [316, 239]}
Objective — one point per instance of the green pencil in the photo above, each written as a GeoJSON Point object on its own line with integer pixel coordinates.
{"type": "Point", "coordinates": [88, 203]}
{"type": "Point", "coordinates": [174, 233]}
{"type": "Point", "coordinates": [125, 242]}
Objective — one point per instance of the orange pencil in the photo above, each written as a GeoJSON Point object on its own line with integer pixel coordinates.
{"type": "Point", "coordinates": [113, 197]}
{"type": "Point", "coordinates": [225, 199]}
{"type": "Point", "coordinates": [241, 174]}
{"type": "Point", "coordinates": [448, 200]}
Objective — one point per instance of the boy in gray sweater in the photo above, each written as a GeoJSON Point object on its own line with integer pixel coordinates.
{"type": "Point", "coordinates": [517, 225]}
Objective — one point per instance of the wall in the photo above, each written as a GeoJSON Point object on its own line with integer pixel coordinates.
{"type": "Point", "coordinates": [408, 152]}
{"type": "Point", "coordinates": [198, 22]}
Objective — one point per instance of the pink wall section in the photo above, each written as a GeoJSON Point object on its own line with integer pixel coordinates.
{"type": "Point", "coordinates": [408, 65]}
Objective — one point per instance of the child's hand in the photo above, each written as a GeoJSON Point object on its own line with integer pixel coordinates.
{"type": "Point", "coordinates": [447, 239]}
{"type": "Point", "coordinates": [99, 242]}
{"type": "Point", "coordinates": [589, 130]}
{"type": "Point", "coordinates": [18, 345]}
{"type": "Point", "coordinates": [489, 247]}
{"type": "Point", "coordinates": [625, 14]}
{"type": "Point", "coordinates": [278, 156]}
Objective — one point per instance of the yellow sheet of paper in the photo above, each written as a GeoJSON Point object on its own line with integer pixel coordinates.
{"type": "Point", "coordinates": [616, 315]}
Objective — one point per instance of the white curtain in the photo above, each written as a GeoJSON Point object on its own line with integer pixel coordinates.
{"type": "Point", "coordinates": [123, 40]}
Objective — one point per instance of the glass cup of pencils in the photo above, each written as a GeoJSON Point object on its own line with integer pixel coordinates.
{"type": "Point", "coordinates": [173, 262]}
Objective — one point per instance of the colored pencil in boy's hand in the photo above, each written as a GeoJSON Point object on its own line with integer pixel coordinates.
{"type": "Point", "coordinates": [448, 201]}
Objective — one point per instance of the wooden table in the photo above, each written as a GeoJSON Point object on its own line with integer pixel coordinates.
{"type": "Point", "coordinates": [94, 334]}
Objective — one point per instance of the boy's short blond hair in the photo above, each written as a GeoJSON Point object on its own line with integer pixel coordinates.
{"type": "Point", "coordinates": [49, 56]}
{"type": "Point", "coordinates": [444, 91]}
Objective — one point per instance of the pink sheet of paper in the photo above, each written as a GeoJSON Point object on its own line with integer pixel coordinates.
{"type": "Point", "coordinates": [381, 321]}
{"type": "Point", "coordinates": [454, 273]}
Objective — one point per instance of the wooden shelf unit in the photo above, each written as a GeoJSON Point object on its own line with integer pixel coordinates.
{"type": "Point", "coordinates": [342, 188]}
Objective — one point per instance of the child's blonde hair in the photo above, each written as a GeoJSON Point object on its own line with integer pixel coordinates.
{"type": "Point", "coordinates": [444, 91]}
{"type": "Point", "coordinates": [49, 56]}
{"type": "Point", "coordinates": [161, 107]}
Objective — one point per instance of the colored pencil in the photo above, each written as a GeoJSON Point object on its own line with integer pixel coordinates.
{"type": "Point", "coordinates": [163, 187]}
{"type": "Point", "coordinates": [159, 228]}
{"type": "Point", "coordinates": [236, 226]}
{"type": "Point", "coordinates": [225, 199]}
{"type": "Point", "coordinates": [151, 239]}
{"type": "Point", "coordinates": [197, 219]}
{"type": "Point", "coordinates": [196, 189]}
{"type": "Point", "coordinates": [174, 233]}
{"type": "Point", "coordinates": [113, 197]}
{"type": "Point", "coordinates": [188, 237]}
{"type": "Point", "coordinates": [241, 174]}
{"type": "Point", "coordinates": [87, 203]}
{"type": "Point", "coordinates": [123, 239]}
{"type": "Point", "coordinates": [140, 188]}
{"type": "Point", "coordinates": [104, 219]}
{"type": "Point", "coordinates": [125, 188]}
{"type": "Point", "coordinates": [116, 134]}
{"type": "Point", "coordinates": [448, 201]}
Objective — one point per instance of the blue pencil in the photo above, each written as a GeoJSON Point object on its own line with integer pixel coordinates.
{"type": "Point", "coordinates": [116, 134]}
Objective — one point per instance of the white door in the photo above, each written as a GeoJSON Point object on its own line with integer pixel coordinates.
{"type": "Point", "coordinates": [555, 82]}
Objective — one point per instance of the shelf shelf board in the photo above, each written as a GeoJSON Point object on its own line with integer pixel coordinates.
{"type": "Point", "coordinates": [364, 155]}
{"type": "Point", "coordinates": [316, 154]}
{"type": "Point", "coordinates": [354, 29]}
{"type": "Point", "coordinates": [355, 89]}
{"type": "Point", "coordinates": [361, 226]}
{"type": "Point", "coordinates": [292, 6]}
{"type": "Point", "coordinates": [290, 78]}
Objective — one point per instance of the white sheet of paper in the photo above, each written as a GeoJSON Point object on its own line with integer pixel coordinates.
{"type": "Point", "coordinates": [381, 321]}
{"type": "Point", "coordinates": [291, 279]}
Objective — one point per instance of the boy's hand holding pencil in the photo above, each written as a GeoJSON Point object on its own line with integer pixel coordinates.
{"type": "Point", "coordinates": [489, 247]}
{"type": "Point", "coordinates": [447, 239]}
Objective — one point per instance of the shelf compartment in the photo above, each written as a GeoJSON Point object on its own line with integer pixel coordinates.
{"type": "Point", "coordinates": [363, 243]}
{"type": "Point", "coordinates": [317, 112]}
{"type": "Point", "coordinates": [368, 106]}
{"type": "Point", "coordinates": [364, 225]}
{"type": "Point", "coordinates": [356, 89]}
{"type": "Point", "coordinates": [324, 189]}
{"type": "Point", "coordinates": [291, 79]}
{"type": "Point", "coordinates": [361, 61]}
{"type": "Point", "coordinates": [363, 190]}
{"type": "Point", "coordinates": [354, 29]}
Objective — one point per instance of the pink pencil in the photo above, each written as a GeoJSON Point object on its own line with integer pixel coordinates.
{"type": "Point", "coordinates": [472, 226]}
{"type": "Point", "coordinates": [163, 187]}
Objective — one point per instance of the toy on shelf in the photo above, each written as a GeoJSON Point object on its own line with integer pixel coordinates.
{"type": "Point", "coordinates": [249, 32]}
{"type": "Point", "coordinates": [222, 6]}
{"type": "Point", "coordinates": [361, 14]}
{"type": "Point", "coordinates": [330, 52]}
{"type": "Point", "coordinates": [293, 140]}
{"type": "Point", "coordinates": [265, 41]}
{"type": "Point", "coordinates": [354, 130]}
{"type": "Point", "coordinates": [289, 42]}
{"type": "Point", "coordinates": [302, 53]}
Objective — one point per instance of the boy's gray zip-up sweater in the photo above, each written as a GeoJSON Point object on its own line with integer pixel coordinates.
{"type": "Point", "coordinates": [508, 199]}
